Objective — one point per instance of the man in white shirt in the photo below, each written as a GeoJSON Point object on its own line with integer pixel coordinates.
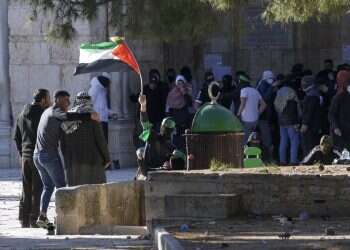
{"type": "Point", "coordinates": [252, 105]}
{"type": "Point", "coordinates": [99, 95]}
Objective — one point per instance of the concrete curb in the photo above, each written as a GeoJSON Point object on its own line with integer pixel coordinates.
{"type": "Point", "coordinates": [163, 240]}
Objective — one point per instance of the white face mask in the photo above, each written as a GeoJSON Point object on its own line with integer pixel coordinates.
{"type": "Point", "coordinates": [348, 89]}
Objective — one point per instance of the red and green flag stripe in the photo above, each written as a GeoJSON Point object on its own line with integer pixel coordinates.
{"type": "Point", "coordinates": [106, 57]}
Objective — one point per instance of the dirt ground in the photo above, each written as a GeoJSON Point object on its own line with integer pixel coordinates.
{"type": "Point", "coordinates": [297, 170]}
{"type": "Point", "coordinates": [264, 233]}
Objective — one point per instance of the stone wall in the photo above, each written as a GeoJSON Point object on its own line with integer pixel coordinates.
{"type": "Point", "coordinates": [86, 208]}
{"type": "Point", "coordinates": [36, 62]}
{"type": "Point", "coordinates": [262, 194]}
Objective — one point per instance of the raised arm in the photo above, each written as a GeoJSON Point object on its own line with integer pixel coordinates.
{"type": "Point", "coordinates": [143, 109]}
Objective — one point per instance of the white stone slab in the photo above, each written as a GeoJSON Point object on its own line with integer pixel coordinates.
{"type": "Point", "coordinates": [29, 53]}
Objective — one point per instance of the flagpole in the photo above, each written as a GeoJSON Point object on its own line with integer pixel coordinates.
{"type": "Point", "coordinates": [141, 83]}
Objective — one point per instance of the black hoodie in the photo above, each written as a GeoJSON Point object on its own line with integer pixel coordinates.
{"type": "Point", "coordinates": [26, 129]}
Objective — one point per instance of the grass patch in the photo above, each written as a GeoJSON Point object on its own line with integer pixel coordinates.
{"type": "Point", "coordinates": [216, 165]}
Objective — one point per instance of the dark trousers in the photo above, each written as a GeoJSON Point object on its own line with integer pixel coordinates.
{"type": "Point", "coordinates": [105, 130]}
{"type": "Point", "coordinates": [343, 141]}
{"type": "Point", "coordinates": [29, 206]}
{"type": "Point", "coordinates": [309, 140]}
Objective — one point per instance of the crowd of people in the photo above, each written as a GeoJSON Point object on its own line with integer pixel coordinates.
{"type": "Point", "coordinates": [299, 117]}
{"type": "Point", "coordinates": [287, 113]}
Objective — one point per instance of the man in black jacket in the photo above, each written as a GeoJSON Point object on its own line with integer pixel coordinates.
{"type": "Point", "coordinates": [311, 115]}
{"type": "Point", "coordinates": [156, 92]}
{"type": "Point", "coordinates": [203, 96]}
{"type": "Point", "coordinates": [25, 137]}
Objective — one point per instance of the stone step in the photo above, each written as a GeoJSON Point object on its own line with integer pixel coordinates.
{"type": "Point", "coordinates": [113, 230]}
{"type": "Point", "coordinates": [211, 206]}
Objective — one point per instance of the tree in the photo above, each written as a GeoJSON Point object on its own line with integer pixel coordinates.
{"type": "Point", "coordinates": [171, 20]}
{"type": "Point", "coordinates": [65, 12]}
{"type": "Point", "coordinates": [166, 20]}
{"type": "Point", "coordinates": [287, 11]}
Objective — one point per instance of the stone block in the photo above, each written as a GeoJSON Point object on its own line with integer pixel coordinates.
{"type": "Point", "coordinates": [73, 84]}
{"type": "Point", "coordinates": [173, 195]}
{"type": "Point", "coordinates": [344, 193]}
{"type": "Point", "coordinates": [163, 188]}
{"type": "Point", "coordinates": [64, 54]}
{"type": "Point", "coordinates": [82, 28]}
{"type": "Point", "coordinates": [5, 145]}
{"type": "Point", "coordinates": [91, 207]}
{"type": "Point", "coordinates": [220, 45]}
{"type": "Point", "coordinates": [154, 207]}
{"type": "Point", "coordinates": [45, 76]}
{"type": "Point", "coordinates": [20, 88]}
{"type": "Point", "coordinates": [21, 25]}
{"type": "Point", "coordinates": [69, 217]}
{"type": "Point", "coordinates": [317, 191]}
{"type": "Point", "coordinates": [126, 203]}
{"type": "Point", "coordinates": [32, 53]}
{"type": "Point", "coordinates": [121, 142]}
{"type": "Point", "coordinates": [92, 204]}
{"type": "Point", "coordinates": [113, 230]}
{"type": "Point", "coordinates": [146, 50]}
{"type": "Point", "coordinates": [216, 206]}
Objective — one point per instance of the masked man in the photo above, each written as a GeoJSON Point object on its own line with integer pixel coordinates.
{"type": "Point", "coordinates": [323, 153]}
{"type": "Point", "coordinates": [159, 150]}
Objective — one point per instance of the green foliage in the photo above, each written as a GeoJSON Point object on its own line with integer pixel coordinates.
{"type": "Point", "coordinates": [224, 5]}
{"type": "Point", "coordinates": [175, 20]}
{"type": "Point", "coordinates": [216, 165]}
{"type": "Point", "coordinates": [166, 20]}
{"type": "Point", "coordinates": [64, 13]}
{"type": "Point", "coordinates": [287, 11]}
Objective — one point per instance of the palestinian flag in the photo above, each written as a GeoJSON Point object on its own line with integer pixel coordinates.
{"type": "Point", "coordinates": [106, 57]}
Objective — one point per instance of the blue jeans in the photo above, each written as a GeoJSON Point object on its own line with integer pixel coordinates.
{"type": "Point", "coordinates": [289, 135]}
{"type": "Point", "coordinates": [52, 175]}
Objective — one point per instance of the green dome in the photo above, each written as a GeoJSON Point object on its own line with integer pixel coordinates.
{"type": "Point", "coordinates": [212, 117]}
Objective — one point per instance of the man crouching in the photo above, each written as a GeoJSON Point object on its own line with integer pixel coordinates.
{"type": "Point", "coordinates": [158, 152]}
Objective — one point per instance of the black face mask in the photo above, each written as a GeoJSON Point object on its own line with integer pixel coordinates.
{"type": "Point", "coordinates": [209, 79]}
{"type": "Point", "coordinates": [154, 80]}
{"type": "Point", "coordinates": [226, 84]}
{"type": "Point", "coordinates": [171, 78]}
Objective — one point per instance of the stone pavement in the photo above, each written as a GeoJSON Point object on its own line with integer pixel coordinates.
{"type": "Point", "coordinates": [12, 236]}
